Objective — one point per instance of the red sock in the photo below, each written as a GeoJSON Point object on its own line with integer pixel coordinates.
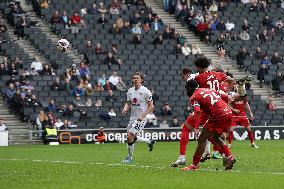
{"type": "Point", "coordinates": [183, 140]}
{"type": "Point", "coordinates": [230, 138]}
{"type": "Point", "coordinates": [196, 159]}
{"type": "Point", "coordinates": [215, 148]}
{"type": "Point", "coordinates": [226, 151]}
{"type": "Point", "coordinates": [250, 135]}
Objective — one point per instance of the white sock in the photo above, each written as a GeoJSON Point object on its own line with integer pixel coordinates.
{"type": "Point", "coordinates": [130, 150]}
{"type": "Point", "coordinates": [141, 139]}
{"type": "Point", "coordinates": [207, 147]}
{"type": "Point", "coordinates": [181, 156]}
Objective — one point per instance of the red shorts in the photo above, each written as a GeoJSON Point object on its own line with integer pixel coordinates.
{"type": "Point", "coordinates": [219, 124]}
{"type": "Point", "coordinates": [190, 119]}
{"type": "Point", "coordinates": [240, 121]}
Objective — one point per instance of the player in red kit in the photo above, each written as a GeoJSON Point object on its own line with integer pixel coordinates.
{"type": "Point", "coordinates": [240, 118]}
{"type": "Point", "coordinates": [220, 116]}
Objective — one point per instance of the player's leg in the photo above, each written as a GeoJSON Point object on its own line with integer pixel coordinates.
{"type": "Point", "coordinates": [131, 139]}
{"type": "Point", "coordinates": [251, 138]}
{"type": "Point", "coordinates": [231, 136]}
{"type": "Point", "coordinates": [205, 134]}
{"type": "Point", "coordinates": [141, 125]}
{"type": "Point", "coordinates": [206, 155]}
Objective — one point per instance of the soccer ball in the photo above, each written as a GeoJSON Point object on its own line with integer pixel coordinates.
{"type": "Point", "coordinates": [63, 45]}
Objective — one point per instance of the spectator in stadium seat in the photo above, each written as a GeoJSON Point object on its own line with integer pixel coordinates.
{"type": "Point", "coordinates": [262, 36]}
{"type": "Point", "coordinates": [75, 22]}
{"type": "Point", "coordinates": [152, 120]}
{"type": "Point", "coordinates": [39, 120]}
{"type": "Point", "coordinates": [34, 72]}
{"type": "Point", "coordinates": [36, 65]}
{"type": "Point", "coordinates": [55, 19]}
{"type": "Point", "coordinates": [195, 49]}
{"type": "Point", "coordinates": [78, 90]}
{"type": "Point", "coordinates": [229, 25]}
{"type": "Point", "coordinates": [47, 70]}
{"type": "Point", "coordinates": [279, 24]}
{"type": "Point", "coordinates": [126, 28]}
{"type": "Point", "coordinates": [276, 59]}
{"type": "Point", "coordinates": [35, 101]}
{"type": "Point", "coordinates": [185, 50]}
{"type": "Point", "coordinates": [114, 78]}
{"type": "Point", "coordinates": [102, 79]}
{"type": "Point", "coordinates": [102, 19]}
{"type": "Point", "coordinates": [84, 11]}
{"type": "Point", "coordinates": [254, 7]}
{"type": "Point", "coordinates": [99, 50]}
{"type": "Point", "coordinates": [178, 49]}
{"type": "Point", "coordinates": [21, 25]}
{"type": "Point", "coordinates": [136, 29]}
{"type": "Point", "coordinates": [58, 124]}
{"type": "Point", "coordinates": [135, 19]}
{"type": "Point", "coordinates": [84, 71]}
{"type": "Point", "coordinates": [46, 122]}
{"type": "Point", "coordinates": [65, 20]}
{"type": "Point", "coordinates": [98, 104]}
{"type": "Point", "coordinates": [277, 81]}
{"type": "Point", "coordinates": [73, 73]}
{"type": "Point", "coordinates": [166, 109]}
{"type": "Point", "coordinates": [136, 39]}
{"type": "Point", "coordinates": [181, 39]}
{"type": "Point", "coordinates": [158, 40]}
{"type": "Point", "coordinates": [110, 60]}
{"type": "Point", "coordinates": [155, 25]}
{"type": "Point", "coordinates": [266, 21]}
{"type": "Point", "coordinates": [68, 85]}
{"type": "Point", "coordinates": [164, 124]}
{"type": "Point", "coordinates": [98, 87]}
{"type": "Point", "coordinates": [9, 92]}
{"type": "Point", "coordinates": [222, 7]}
{"type": "Point", "coordinates": [89, 102]}
{"type": "Point", "coordinates": [199, 17]}
{"type": "Point", "coordinates": [109, 86]}
{"type": "Point", "coordinates": [3, 70]}
{"type": "Point", "coordinates": [175, 122]}
{"type": "Point", "coordinates": [89, 90]}
{"type": "Point", "coordinates": [241, 56]}
{"type": "Point", "coordinates": [244, 35]}
{"type": "Point", "coordinates": [111, 112]}
{"type": "Point", "coordinates": [102, 8]}
{"type": "Point", "coordinates": [69, 111]}
{"type": "Point", "coordinates": [263, 70]}
{"type": "Point", "coordinates": [110, 96]}
{"type": "Point", "coordinates": [78, 102]}
{"type": "Point", "coordinates": [259, 54]}
{"type": "Point", "coordinates": [115, 7]}
{"type": "Point", "coordinates": [94, 9]}
{"type": "Point", "coordinates": [146, 28]}
{"type": "Point", "coordinates": [13, 69]}
{"type": "Point", "coordinates": [271, 34]}
{"type": "Point", "coordinates": [57, 85]}
{"type": "Point", "coordinates": [270, 104]}
{"type": "Point", "coordinates": [167, 33]}
{"type": "Point", "coordinates": [51, 106]}
{"type": "Point", "coordinates": [265, 61]}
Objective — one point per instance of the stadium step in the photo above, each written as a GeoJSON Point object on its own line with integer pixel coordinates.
{"type": "Point", "coordinates": [210, 52]}
{"type": "Point", "coordinates": [23, 142]}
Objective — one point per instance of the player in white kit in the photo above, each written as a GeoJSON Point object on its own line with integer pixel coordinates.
{"type": "Point", "coordinates": [139, 100]}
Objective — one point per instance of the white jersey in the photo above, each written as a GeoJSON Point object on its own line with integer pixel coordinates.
{"type": "Point", "coordinates": [138, 99]}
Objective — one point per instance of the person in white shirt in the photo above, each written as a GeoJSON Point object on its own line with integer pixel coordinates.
{"type": "Point", "coordinates": [58, 124]}
{"type": "Point", "coordinates": [151, 118]}
{"type": "Point", "coordinates": [195, 49]}
{"type": "Point", "coordinates": [2, 126]}
{"type": "Point", "coordinates": [111, 112]}
{"type": "Point", "coordinates": [36, 65]}
{"type": "Point", "coordinates": [114, 78]}
{"type": "Point", "coordinates": [229, 25]}
{"type": "Point", "coordinates": [164, 125]}
{"type": "Point", "coordinates": [139, 101]}
{"type": "Point", "coordinates": [185, 50]}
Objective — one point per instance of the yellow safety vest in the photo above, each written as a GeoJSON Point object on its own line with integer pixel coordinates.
{"type": "Point", "coordinates": [51, 132]}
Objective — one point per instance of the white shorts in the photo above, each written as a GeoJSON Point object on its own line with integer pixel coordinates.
{"type": "Point", "coordinates": [135, 126]}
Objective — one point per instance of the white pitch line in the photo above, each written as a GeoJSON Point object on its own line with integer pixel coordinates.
{"type": "Point", "coordinates": [138, 166]}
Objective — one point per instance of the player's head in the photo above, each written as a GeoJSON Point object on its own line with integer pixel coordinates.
{"type": "Point", "coordinates": [191, 86]}
{"type": "Point", "coordinates": [137, 78]}
{"type": "Point", "coordinates": [185, 72]}
{"type": "Point", "coordinates": [202, 64]}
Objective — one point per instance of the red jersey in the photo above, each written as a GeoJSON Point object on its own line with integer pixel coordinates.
{"type": "Point", "coordinates": [241, 106]}
{"type": "Point", "coordinates": [210, 80]}
{"type": "Point", "coordinates": [210, 102]}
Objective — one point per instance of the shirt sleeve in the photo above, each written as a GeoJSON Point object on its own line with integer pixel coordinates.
{"type": "Point", "coordinates": [128, 96]}
{"type": "Point", "coordinates": [148, 96]}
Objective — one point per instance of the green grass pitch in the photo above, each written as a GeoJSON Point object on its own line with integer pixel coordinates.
{"type": "Point", "coordinates": [98, 167]}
